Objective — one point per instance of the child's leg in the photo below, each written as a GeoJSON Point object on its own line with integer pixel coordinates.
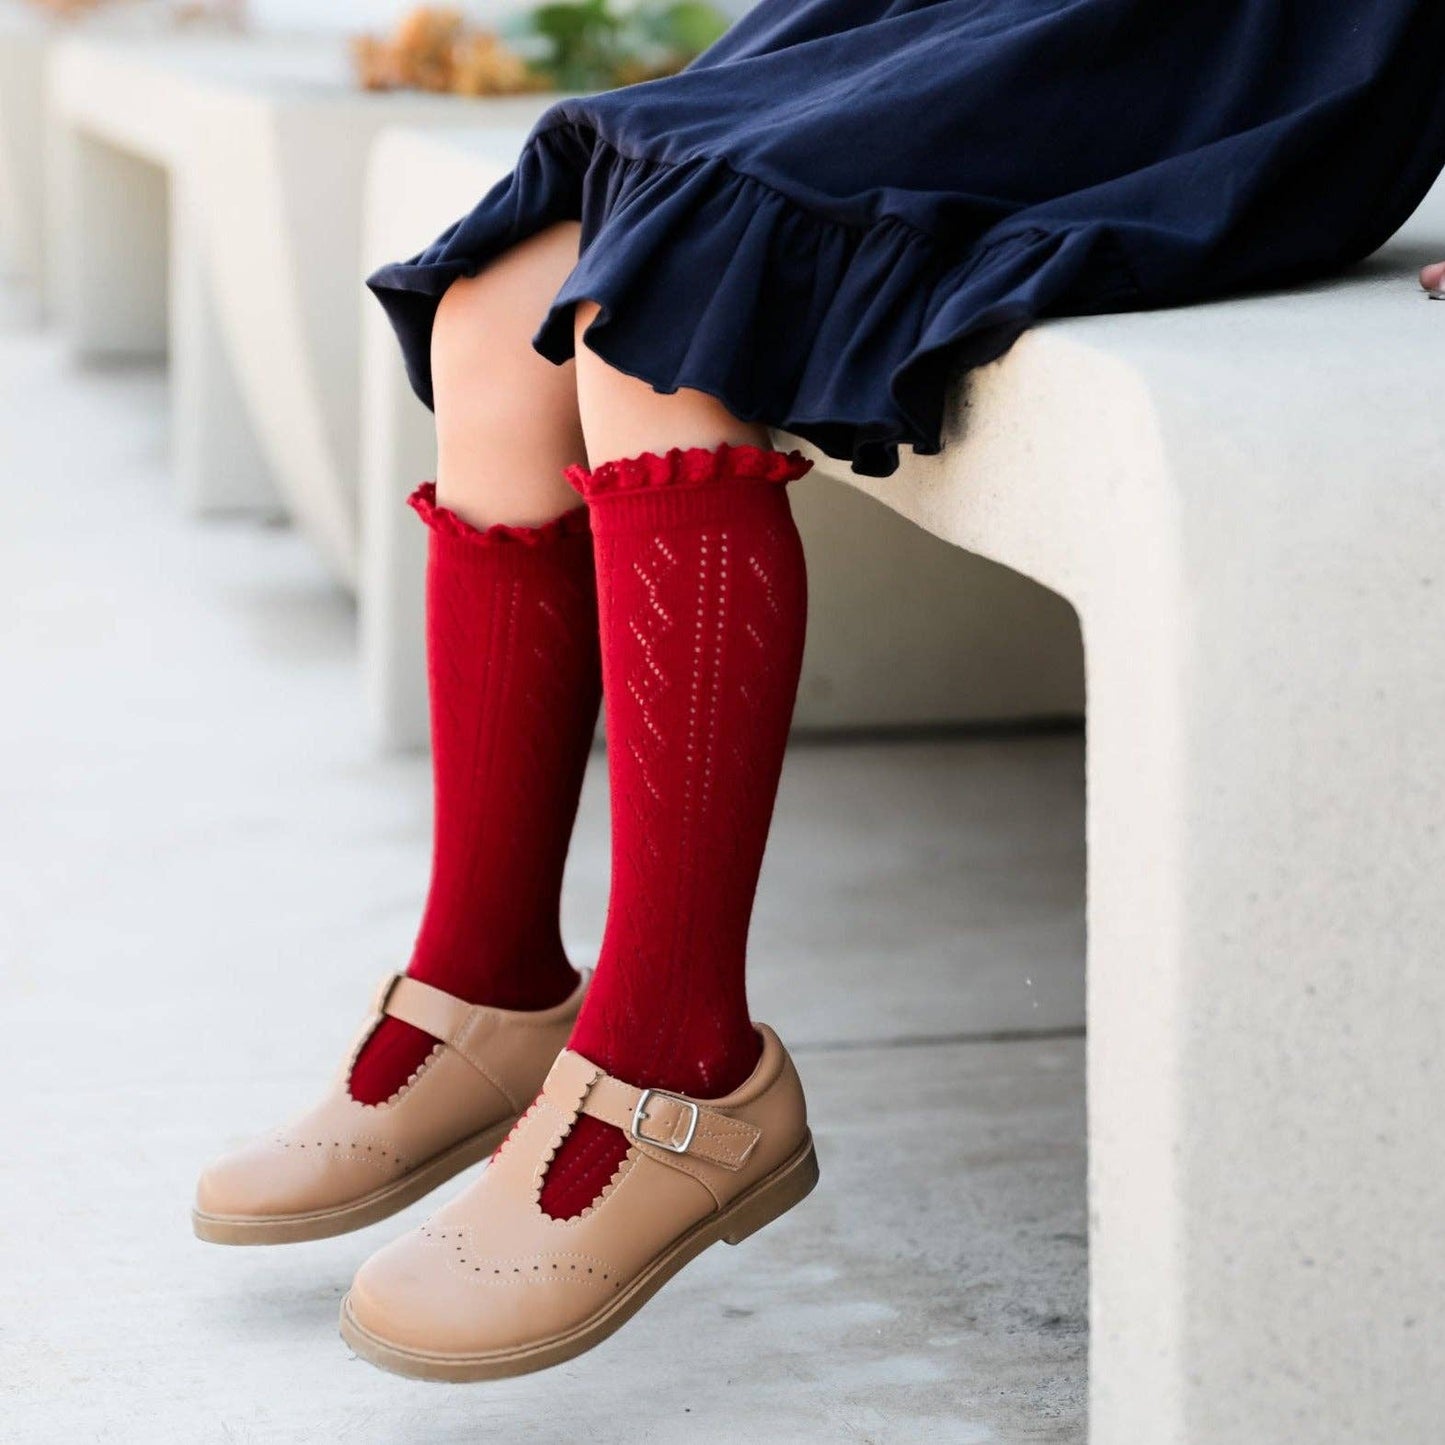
{"type": "Point", "coordinates": [506, 418]}
{"type": "Point", "coordinates": [512, 654]}
{"type": "Point", "coordinates": [702, 597]}
{"type": "Point", "coordinates": [622, 416]}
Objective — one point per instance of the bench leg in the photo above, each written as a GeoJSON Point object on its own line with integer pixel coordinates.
{"type": "Point", "coordinates": [218, 462]}
{"type": "Point", "coordinates": [398, 450]}
{"type": "Point", "coordinates": [1266, 991]}
{"type": "Point", "coordinates": [22, 173]}
{"type": "Point", "coordinates": [107, 227]}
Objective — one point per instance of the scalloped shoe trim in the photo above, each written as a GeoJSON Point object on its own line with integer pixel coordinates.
{"type": "Point", "coordinates": [437, 1050]}
{"type": "Point", "coordinates": [564, 1122]}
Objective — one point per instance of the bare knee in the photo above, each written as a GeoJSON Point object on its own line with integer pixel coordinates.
{"type": "Point", "coordinates": [623, 415]}
{"type": "Point", "coordinates": [506, 418]}
{"type": "Point", "coordinates": [485, 323]}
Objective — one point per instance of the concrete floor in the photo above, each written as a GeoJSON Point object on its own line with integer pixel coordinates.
{"type": "Point", "coordinates": [204, 869]}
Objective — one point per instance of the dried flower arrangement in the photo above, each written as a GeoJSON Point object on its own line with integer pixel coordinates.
{"type": "Point", "coordinates": [434, 49]}
{"type": "Point", "coordinates": [571, 45]}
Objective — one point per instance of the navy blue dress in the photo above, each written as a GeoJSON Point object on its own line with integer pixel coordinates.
{"type": "Point", "coordinates": [845, 202]}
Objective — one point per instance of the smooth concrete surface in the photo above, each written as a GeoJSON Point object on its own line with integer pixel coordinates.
{"type": "Point", "coordinates": [960, 639]}
{"type": "Point", "coordinates": [205, 869]}
{"type": "Point", "coordinates": [1244, 503]}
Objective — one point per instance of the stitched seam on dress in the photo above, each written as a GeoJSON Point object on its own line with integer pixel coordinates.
{"type": "Point", "coordinates": [972, 254]}
{"type": "Point", "coordinates": [861, 227]}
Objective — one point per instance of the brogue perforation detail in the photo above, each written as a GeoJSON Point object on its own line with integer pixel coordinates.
{"type": "Point", "coordinates": [375, 1155]}
{"type": "Point", "coordinates": [554, 1267]}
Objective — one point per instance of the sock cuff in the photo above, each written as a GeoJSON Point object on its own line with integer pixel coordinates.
{"type": "Point", "coordinates": [445, 523]}
{"type": "Point", "coordinates": [687, 467]}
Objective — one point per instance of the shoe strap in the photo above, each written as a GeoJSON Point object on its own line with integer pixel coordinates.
{"type": "Point", "coordinates": [460, 1025]}
{"type": "Point", "coordinates": [672, 1123]}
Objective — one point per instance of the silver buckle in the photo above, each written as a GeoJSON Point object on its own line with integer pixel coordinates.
{"type": "Point", "coordinates": [640, 1113]}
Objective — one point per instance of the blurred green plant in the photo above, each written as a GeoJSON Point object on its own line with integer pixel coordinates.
{"type": "Point", "coordinates": [599, 44]}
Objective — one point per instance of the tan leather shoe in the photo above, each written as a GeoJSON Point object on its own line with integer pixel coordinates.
{"type": "Point", "coordinates": [492, 1286]}
{"type": "Point", "coordinates": [343, 1165]}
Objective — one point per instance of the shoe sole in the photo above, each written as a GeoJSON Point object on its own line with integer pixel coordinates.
{"type": "Point", "coordinates": [342, 1219]}
{"type": "Point", "coordinates": [766, 1201]}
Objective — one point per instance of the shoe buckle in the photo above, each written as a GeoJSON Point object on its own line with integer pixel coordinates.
{"type": "Point", "coordinates": [640, 1113]}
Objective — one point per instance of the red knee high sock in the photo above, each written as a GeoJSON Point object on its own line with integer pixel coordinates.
{"type": "Point", "coordinates": [702, 602]}
{"type": "Point", "coordinates": [513, 669]}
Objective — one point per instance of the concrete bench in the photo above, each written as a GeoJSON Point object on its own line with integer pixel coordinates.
{"type": "Point", "coordinates": [903, 630]}
{"type": "Point", "coordinates": [206, 201]}
{"type": "Point", "coordinates": [27, 34]}
{"type": "Point", "coordinates": [1245, 502]}
{"type": "Point", "coordinates": [1242, 503]}
{"type": "Point", "coordinates": [23, 40]}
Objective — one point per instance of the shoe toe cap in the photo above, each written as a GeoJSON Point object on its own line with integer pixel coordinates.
{"type": "Point", "coordinates": [272, 1177]}
{"type": "Point", "coordinates": [247, 1181]}
{"type": "Point", "coordinates": [428, 1293]}
{"type": "Point", "coordinates": [407, 1296]}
